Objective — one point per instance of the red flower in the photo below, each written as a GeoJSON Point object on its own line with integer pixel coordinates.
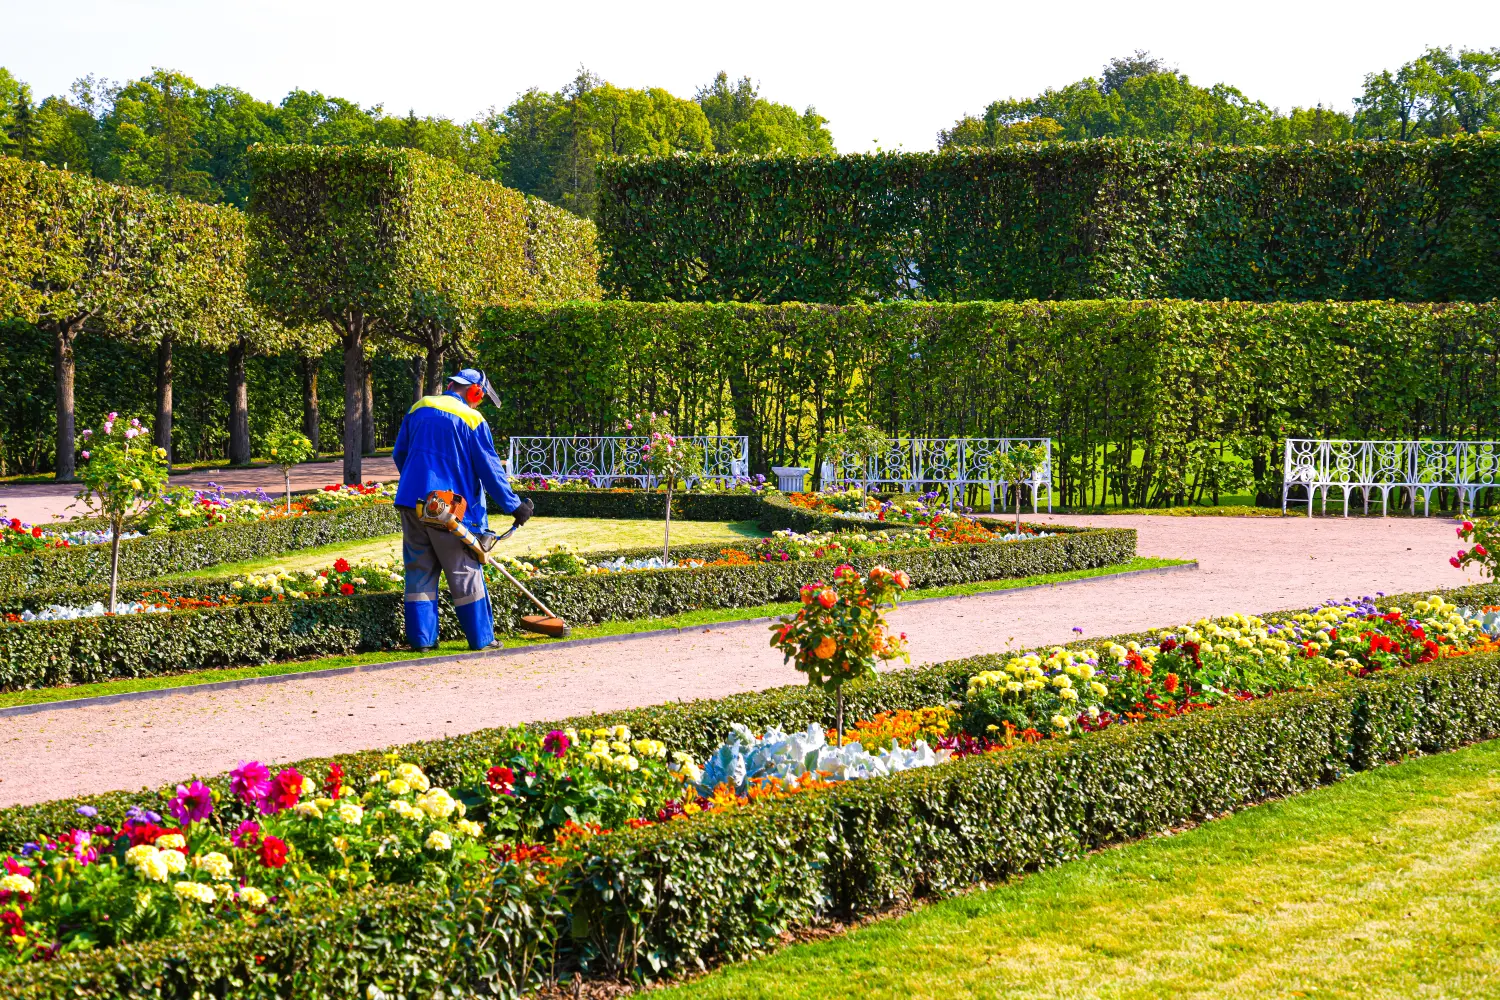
{"type": "Point", "coordinates": [1167, 645]}
{"type": "Point", "coordinates": [12, 924]}
{"type": "Point", "coordinates": [36, 531]}
{"type": "Point", "coordinates": [1134, 662]}
{"type": "Point", "coordinates": [145, 833]}
{"type": "Point", "coordinates": [341, 566]}
{"type": "Point", "coordinates": [331, 489]}
{"type": "Point", "coordinates": [273, 851]}
{"type": "Point", "coordinates": [1170, 684]}
{"type": "Point", "coordinates": [346, 589]}
{"type": "Point", "coordinates": [334, 781]}
{"type": "Point", "coordinates": [286, 789]}
{"type": "Point", "coordinates": [501, 780]}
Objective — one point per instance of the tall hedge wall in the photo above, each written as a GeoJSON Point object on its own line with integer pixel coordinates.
{"type": "Point", "coordinates": [1134, 394]}
{"type": "Point", "coordinates": [1103, 218]}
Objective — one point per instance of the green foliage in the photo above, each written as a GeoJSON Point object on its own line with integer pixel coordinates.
{"type": "Point", "coordinates": [1435, 95]}
{"type": "Point", "coordinates": [744, 122]}
{"type": "Point", "coordinates": [1140, 97]}
{"type": "Point", "coordinates": [1132, 393]}
{"type": "Point", "coordinates": [562, 255]}
{"type": "Point", "coordinates": [491, 938]}
{"type": "Point", "coordinates": [159, 555]}
{"type": "Point", "coordinates": [1101, 218]}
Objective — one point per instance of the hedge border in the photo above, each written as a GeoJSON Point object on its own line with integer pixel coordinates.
{"type": "Point", "coordinates": [676, 897]}
{"type": "Point", "coordinates": [197, 548]}
{"type": "Point", "coordinates": [86, 650]}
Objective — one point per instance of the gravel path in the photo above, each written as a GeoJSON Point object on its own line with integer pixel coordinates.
{"type": "Point", "coordinates": [39, 503]}
{"type": "Point", "coordinates": [1246, 565]}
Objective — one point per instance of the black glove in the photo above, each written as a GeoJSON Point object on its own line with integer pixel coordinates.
{"type": "Point", "coordinates": [523, 513]}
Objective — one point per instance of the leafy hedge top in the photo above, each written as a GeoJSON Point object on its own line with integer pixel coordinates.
{"type": "Point", "coordinates": [392, 234]}
{"type": "Point", "coordinates": [1095, 219]}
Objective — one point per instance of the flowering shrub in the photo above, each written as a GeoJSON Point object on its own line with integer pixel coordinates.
{"type": "Point", "coordinates": [1485, 534]}
{"type": "Point", "coordinates": [287, 448]}
{"type": "Point", "coordinates": [1211, 662]}
{"type": "Point", "coordinates": [122, 470]}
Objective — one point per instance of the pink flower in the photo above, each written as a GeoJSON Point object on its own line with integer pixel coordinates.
{"type": "Point", "coordinates": [85, 456]}
{"type": "Point", "coordinates": [130, 432]}
{"type": "Point", "coordinates": [250, 783]}
{"type": "Point", "coordinates": [113, 414]}
{"type": "Point", "coordinates": [1453, 561]}
{"type": "Point", "coordinates": [1479, 550]}
{"type": "Point", "coordinates": [85, 433]}
{"type": "Point", "coordinates": [556, 743]}
{"type": "Point", "coordinates": [193, 803]}
{"type": "Point", "coordinates": [247, 834]}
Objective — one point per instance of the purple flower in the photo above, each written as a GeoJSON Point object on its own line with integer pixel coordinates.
{"type": "Point", "coordinates": [138, 814]}
{"type": "Point", "coordinates": [87, 811]}
{"type": "Point", "coordinates": [1078, 629]}
{"type": "Point", "coordinates": [251, 782]}
{"type": "Point", "coordinates": [556, 743]}
{"type": "Point", "coordinates": [193, 803]}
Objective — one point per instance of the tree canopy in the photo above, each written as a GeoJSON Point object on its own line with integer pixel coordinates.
{"type": "Point", "coordinates": [167, 132]}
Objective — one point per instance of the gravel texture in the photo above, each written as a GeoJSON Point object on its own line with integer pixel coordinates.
{"type": "Point", "coordinates": [40, 503]}
{"type": "Point", "coordinates": [1246, 564]}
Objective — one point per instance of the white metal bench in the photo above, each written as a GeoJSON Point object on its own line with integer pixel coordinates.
{"type": "Point", "coordinates": [1412, 468]}
{"type": "Point", "coordinates": [951, 464]}
{"type": "Point", "coordinates": [726, 458]}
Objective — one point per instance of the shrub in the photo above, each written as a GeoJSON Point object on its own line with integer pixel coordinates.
{"type": "Point", "coordinates": [1108, 218]}
{"type": "Point", "coordinates": [40, 654]}
{"type": "Point", "coordinates": [184, 551]}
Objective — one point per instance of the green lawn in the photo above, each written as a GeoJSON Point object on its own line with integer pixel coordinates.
{"type": "Point", "coordinates": [1387, 885]}
{"type": "Point", "coordinates": [685, 620]}
{"type": "Point", "coordinates": [585, 534]}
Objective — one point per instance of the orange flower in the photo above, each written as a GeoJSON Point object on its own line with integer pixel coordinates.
{"type": "Point", "coordinates": [826, 647]}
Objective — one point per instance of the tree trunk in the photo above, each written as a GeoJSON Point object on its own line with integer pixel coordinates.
{"type": "Point", "coordinates": [838, 718]}
{"type": "Point", "coordinates": [354, 403]}
{"type": "Point", "coordinates": [164, 396]}
{"type": "Point", "coordinates": [666, 538]}
{"type": "Point", "coordinates": [116, 523]}
{"type": "Point", "coordinates": [434, 364]}
{"type": "Point", "coordinates": [239, 407]}
{"type": "Point", "coordinates": [418, 379]}
{"type": "Point", "coordinates": [63, 368]}
{"type": "Point", "coordinates": [286, 476]}
{"type": "Point", "coordinates": [367, 412]}
{"type": "Point", "coordinates": [309, 367]}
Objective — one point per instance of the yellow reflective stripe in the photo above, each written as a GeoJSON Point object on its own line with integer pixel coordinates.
{"type": "Point", "coordinates": [448, 404]}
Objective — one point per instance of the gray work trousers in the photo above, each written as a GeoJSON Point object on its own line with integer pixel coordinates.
{"type": "Point", "coordinates": [426, 551]}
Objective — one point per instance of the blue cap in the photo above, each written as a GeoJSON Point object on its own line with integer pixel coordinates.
{"type": "Point", "coordinates": [473, 376]}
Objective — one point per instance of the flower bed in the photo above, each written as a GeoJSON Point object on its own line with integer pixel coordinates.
{"type": "Point", "coordinates": [726, 878]}
{"type": "Point", "coordinates": [205, 530]}
{"type": "Point", "coordinates": [220, 628]}
{"type": "Point", "coordinates": [767, 506]}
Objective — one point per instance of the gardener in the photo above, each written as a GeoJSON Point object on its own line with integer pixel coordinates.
{"type": "Point", "coordinates": [444, 444]}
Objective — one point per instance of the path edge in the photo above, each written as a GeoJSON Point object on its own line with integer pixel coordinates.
{"type": "Point", "coordinates": [166, 692]}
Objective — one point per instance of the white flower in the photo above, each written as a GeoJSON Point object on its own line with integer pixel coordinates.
{"type": "Point", "coordinates": [194, 890]}
{"type": "Point", "coordinates": [437, 840]}
{"type": "Point", "coordinates": [17, 883]}
{"type": "Point", "coordinates": [215, 864]}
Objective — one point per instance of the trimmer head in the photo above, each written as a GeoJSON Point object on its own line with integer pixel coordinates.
{"type": "Point", "coordinates": [545, 625]}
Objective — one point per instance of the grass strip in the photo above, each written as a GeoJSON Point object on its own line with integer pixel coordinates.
{"type": "Point", "coordinates": [686, 620]}
{"type": "Point", "coordinates": [1384, 885]}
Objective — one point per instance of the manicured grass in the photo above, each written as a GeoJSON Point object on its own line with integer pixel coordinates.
{"type": "Point", "coordinates": [1386, 885]}
{"type": "Point", "coordinates": [584, 534]}
{"type": "Point", "coordinates": [686, 620]}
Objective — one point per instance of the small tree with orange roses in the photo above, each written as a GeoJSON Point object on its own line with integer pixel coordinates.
{"type": "Point", "coordinates": [841, 630]}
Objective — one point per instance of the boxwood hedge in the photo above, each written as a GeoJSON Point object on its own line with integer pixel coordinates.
{"type": "Point", "coordinates": [772, 510]}
{"type": "Point", "coordinates": [185, 551]}
{"type": "Point", "coordinates": [41, 654]}
{"type": "Point", "coordinates": [678, 896]}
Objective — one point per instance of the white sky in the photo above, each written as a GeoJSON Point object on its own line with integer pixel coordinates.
{"type": "Point", "coordinates": [884, 73]}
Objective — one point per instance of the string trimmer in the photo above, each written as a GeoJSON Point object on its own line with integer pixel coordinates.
{"type": "Point", "coordinates": [445, 509]}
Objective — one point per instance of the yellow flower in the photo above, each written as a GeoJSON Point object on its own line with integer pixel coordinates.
{"type": "Point", "coordinates": [168, 841]}
{"type": "Point", "coordinates": [350, 813]}
{"type": "Point", "coordinates": [437, 803]}
{"type": "Point", "coordinates": [174, 861]}
{"type": "Point", "coordinates": [437, 840]}
{"type": "Point", "coordinates": [195, 891]}
{"type": "Point", "coordinates": [215, 864]}
{"type": "Point", "coordinates": [253, 897]}
{"type": "Point", "coordinates": [18, 883]}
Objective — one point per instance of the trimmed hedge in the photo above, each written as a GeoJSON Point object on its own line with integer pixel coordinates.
{"type": "Point", "coordinates": [695, 726]}
{"type": "Point", "coordinates": [184, 551]}
{"type": "Point", "coordinates": [772, 510]}
{"type": "Point", "coordinates": [1105, 218]}
{"type": "Point", "coordinates": [678, 896]}
{"type": "Point", "coordinates": [43, 654]}
{"type": "Point", "coordinates": [491, 940]}
{"type": "Point", "coordinates": [1137, 396]}
{"type": "Point", "coordinates": [675, 897]}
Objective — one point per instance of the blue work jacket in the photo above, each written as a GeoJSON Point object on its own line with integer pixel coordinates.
{"type": "Point", "coordinates": [444, 444]}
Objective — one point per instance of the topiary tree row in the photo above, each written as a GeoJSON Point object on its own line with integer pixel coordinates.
{"type": "Point", "coordinates": [392, 247]}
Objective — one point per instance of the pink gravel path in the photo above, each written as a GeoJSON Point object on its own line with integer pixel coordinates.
{"type": "Point", "coordinates": [40, 503]}
{"type": "Point", "coordinates": [1246, 565]}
